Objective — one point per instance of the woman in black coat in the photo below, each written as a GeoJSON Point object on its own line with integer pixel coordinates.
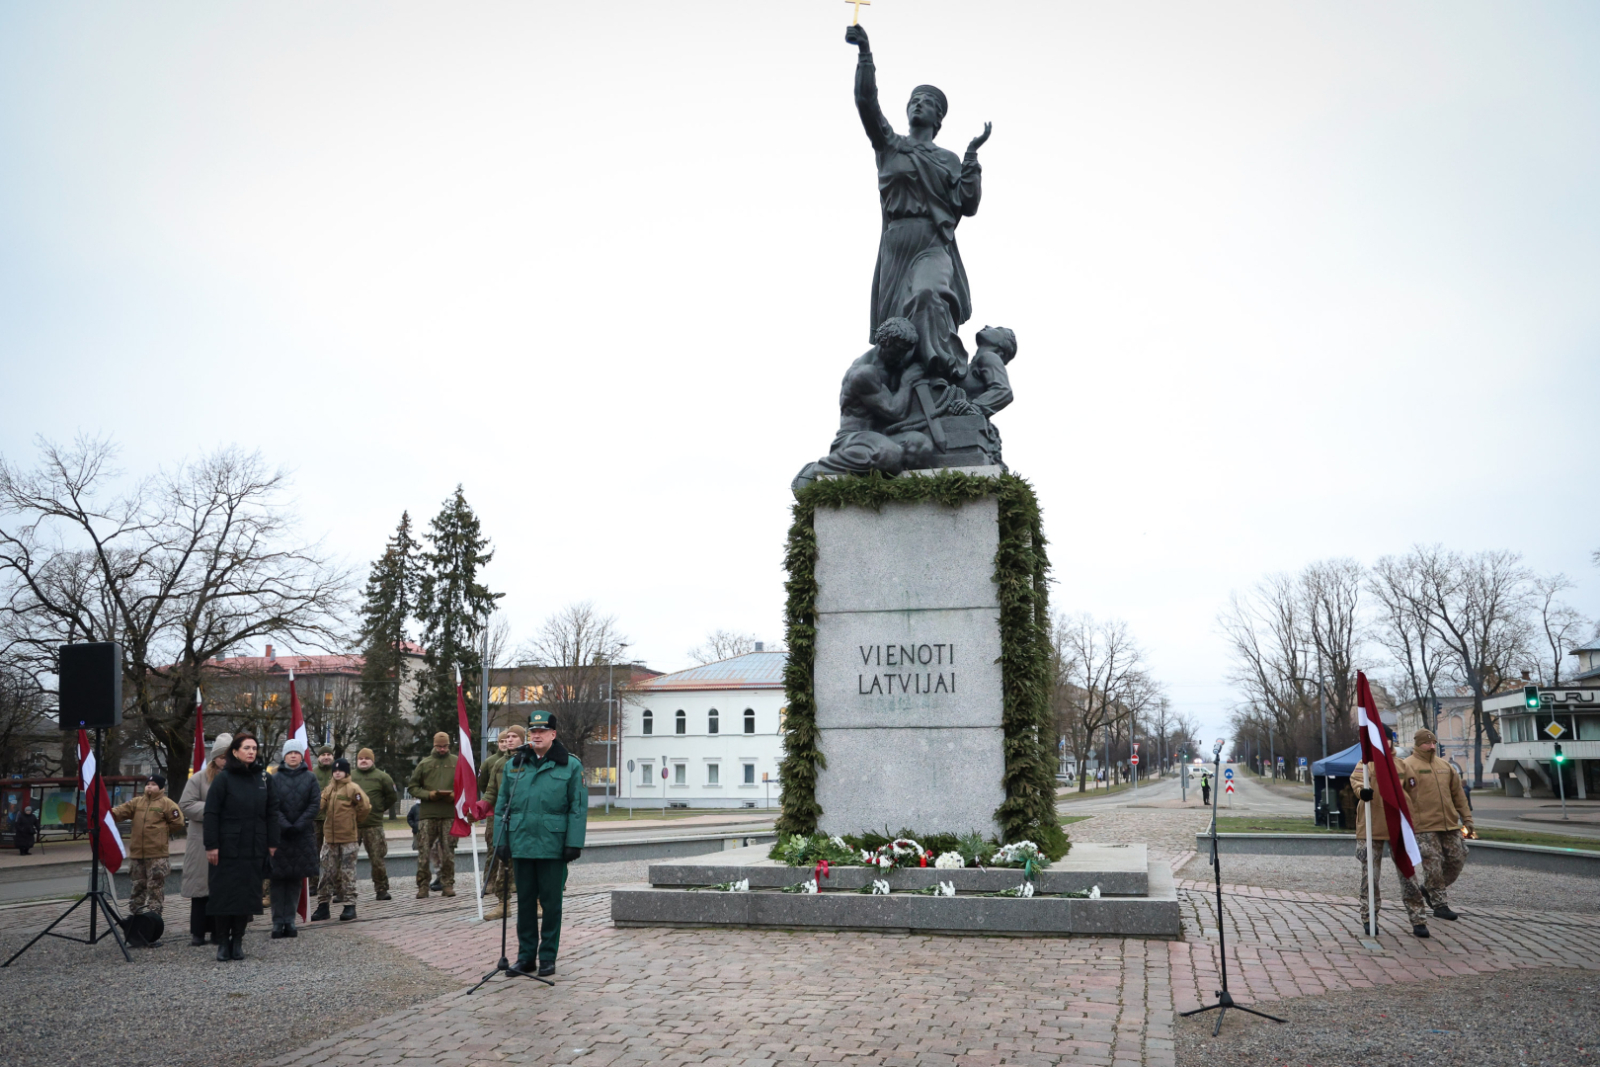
{"type": "Point", "coordinates": [296, 858]}
{"type": "Point", "coordinates": [241, 834]}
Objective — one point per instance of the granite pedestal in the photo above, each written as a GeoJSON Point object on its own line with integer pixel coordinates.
{"type": "Point", "coordinates": [908, 685]}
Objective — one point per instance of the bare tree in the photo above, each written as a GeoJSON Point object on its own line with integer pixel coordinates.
{"type": "Point", "coordinates": [26, 728]}
{"type": "Point", "coordinates": [1099, 682]}
{"type": "Point", "coordinates": [179, 567]}
{"type": "Point", "coordinates": [721, 645]}
{"type": "Point", "coordinates": [1563, 627]}
{"type": "Point", "coordinates": [572, 659]}
{"type": "Point", "coordinates": [1478, 607]}
{"type": "Point", "coordinates": [1404, 631]}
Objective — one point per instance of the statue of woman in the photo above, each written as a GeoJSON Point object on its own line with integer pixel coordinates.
{"type": "Point", "coordinates": [924, 191]}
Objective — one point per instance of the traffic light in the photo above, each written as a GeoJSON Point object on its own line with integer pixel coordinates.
{"type": "Point", "coordinates": [1530, 697]}
{"type": "Point", "coordinates": [1559, 758]}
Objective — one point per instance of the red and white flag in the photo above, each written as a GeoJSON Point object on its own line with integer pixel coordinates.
{"type": "Point", "coordinates": [466, 790]}
{"type": "Point", "coordinates": [94, 795]}
{"type": "Point", "coordinates": [297, 732]}
{"type": "Point", "coordinates": [197, 758]}
{"type": "Point", "coordinates": [1376, 753]}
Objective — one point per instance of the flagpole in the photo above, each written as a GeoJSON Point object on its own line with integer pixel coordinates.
{"type": "Point", "coordinates": [1372, 861]}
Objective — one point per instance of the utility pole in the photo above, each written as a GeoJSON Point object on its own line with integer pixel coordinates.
{"type": "Point", "coordinates": [483, 717]}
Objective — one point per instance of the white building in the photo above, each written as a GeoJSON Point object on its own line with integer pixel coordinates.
{"type": "Point", "coordinates": [1525, 755]}
{"type": "Point", "coordinates": [715, 729]}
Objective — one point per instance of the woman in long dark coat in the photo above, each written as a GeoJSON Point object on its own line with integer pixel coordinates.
{"type": "Point", "coordinates": [296, 858]}
{"type": "Point", "coordinates": [241, 828]}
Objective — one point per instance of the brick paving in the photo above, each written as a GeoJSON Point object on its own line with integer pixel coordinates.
{"type": "Point", "coordinates": [640, 996]}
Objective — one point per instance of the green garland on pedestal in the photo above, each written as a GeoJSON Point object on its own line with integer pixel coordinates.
{"type": "Point", "coordinates": [1021, 574]}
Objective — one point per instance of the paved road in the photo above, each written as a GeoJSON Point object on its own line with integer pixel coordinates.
{"type": "Point", "coordinates": [1250, 798]}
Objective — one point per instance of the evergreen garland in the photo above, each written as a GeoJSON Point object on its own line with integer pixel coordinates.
{"type": "Point", "coordinates": [1021, 575]}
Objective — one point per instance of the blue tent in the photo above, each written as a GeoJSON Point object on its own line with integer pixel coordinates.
{"type": "Point", "coordinates": [1338, 765]}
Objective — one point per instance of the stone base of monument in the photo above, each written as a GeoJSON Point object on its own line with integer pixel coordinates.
{"type": "Point", "coordinates": [1138, 897]}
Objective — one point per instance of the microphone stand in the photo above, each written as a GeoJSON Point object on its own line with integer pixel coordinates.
{"type": "Point", "coordinates": [1224, 1000]}
{"type": "Point", "coordinates": [502, 839]}
{"type": "Point", "coordinates": [98, 899]}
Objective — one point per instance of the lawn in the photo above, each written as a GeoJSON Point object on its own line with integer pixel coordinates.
{"type": "Point", "coordinates": [1068, 820]}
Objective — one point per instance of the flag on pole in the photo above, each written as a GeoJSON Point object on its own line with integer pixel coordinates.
{"type": "Point", "coordinates": [297, 732]}
{"type": "Point", "coordinates": [197, 758]}
{"type": "Point", "coordinates": [1376, 753]}
{"type": "Point", "coordinates": [466, 772]}
{"type": "Point", "coordinates": [94, 795]}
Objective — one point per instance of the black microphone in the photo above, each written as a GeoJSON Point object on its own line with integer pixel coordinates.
{"type": "Point", "coordinates": [524, 754]}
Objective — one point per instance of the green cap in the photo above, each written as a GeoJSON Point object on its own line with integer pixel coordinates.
{"type": "Point", "coordinates": [541, 720]}
{"type": "Point", "coordinates": [325, 750]}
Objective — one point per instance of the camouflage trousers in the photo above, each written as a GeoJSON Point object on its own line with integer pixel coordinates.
{"type": "Point", "coordinates": [1410, 888]}
{"type": "Point", "coordinates": [377, 847]}
{"type": "Point", "coordinates": [498, 882]}
{"type": "Point", "coordinates": [338, 873]}
{"type": "Point", "coordinates": [1444, 853]}
{"type": "Point", "coordinates": [149, 879]}
{"type": "Point", "coordinates": [436, 846]}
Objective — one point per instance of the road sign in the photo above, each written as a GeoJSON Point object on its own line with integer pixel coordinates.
{"type": "Point", "coordinates": [1134, 759]}
{"type": "Point", "coordinates": [1227, 772]}
{"type": "Point", "coordinates": [1302, 761]}
{"type": "Point", "coordinates": [1136, 746]}
{"type": "Point", "coordinates": [1227, 787]}
{"type": "Point", "coordinates": [663, 774]}
{"type": "Point", "coordinates": [630, 766]}
{"type": "Point", "coordinates": [1555, 729]}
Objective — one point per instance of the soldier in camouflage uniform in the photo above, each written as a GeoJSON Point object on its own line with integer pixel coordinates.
{"type": "Point", "coordinates": [499, 883]}
{"type": "Point", "coordinates": [154, 817]}
{"type": "Point", "coordinates": [380, 790]}
{"type": "Point", "coordinates": [324, 772]}
{"type": "Point", "coordinates": [434, 783]}
{"type": "Point", "coordinates": [346, 806]}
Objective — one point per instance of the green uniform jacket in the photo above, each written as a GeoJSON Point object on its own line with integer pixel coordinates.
{"type": "Point", "coordinates": [434, 773]}
{"type": "Point", "coordinates": [324, 776]}
{"type": "Point", "coordinates": [551, 811]}
{"type": "Point", "coordinates": [488, 785]}
{"type": "Point", "coordinates": [495, 759]}
{"type": "Point", "coordinates": [379, 788]}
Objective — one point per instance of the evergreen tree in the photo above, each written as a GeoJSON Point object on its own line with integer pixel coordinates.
{"type": "Point", "coordinates": [452, 606]}
{"type": "Point", "coordinates": [391, 597]}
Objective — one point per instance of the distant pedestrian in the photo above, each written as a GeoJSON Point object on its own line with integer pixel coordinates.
{"type": "Point", "coordinates": [381, 791]}
{"type": "Point", "coordinates": [242, 833]}
{"type": "Point", "coordinates": [433, 782]}
{"type": "Point", "coordinates": [154, 817]}
{"type": "Point", "coordinates": [1440, 814]}
{"type": "Point", "coordinates": [296, 858]}
{"type": "Point", "coordinates": [544, 794]}
{"type": "Point", "coordinates": [1205, 789]}
{"type": "Point", "coordinates": [344, 806]}
{"type": "Point", "coordinates": [25, 830]}
{"type": "Point", "coordinates": [196, 871]}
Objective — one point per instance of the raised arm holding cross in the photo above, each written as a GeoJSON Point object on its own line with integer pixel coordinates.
{"type": "Point", "coordinates": [857, 20]}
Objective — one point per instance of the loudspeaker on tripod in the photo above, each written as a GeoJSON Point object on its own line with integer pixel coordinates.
{"type": "Point", "coordinates": [91, 686]}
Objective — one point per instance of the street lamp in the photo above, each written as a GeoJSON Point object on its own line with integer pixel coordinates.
{"type": "Point", "coordinates": [611, 707]}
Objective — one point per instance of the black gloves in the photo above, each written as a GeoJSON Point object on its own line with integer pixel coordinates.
{"type": "Point", "coordinates": [503, 852]}
{"type": "Point", "coordinates": [1366, 794]}
{"type": "Point", "coordinates": [569, 853]}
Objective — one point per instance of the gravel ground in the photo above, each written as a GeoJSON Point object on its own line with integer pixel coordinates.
{"type": "Point", "coordinates": [1531, 1018]}
{"type": "Point", "coordinates": [625, 872]}
{"type": "Point", "coordinates": [1484, 887]}
{"type": "Point", "coordinates": [74, 1004]}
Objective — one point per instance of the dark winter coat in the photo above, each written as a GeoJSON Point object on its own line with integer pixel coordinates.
{"type": "Point", "coordinates": [297, 824]}
{"type": "Point", "coordinates": [241, 822]}
{"type": "Point", "coordinates": [548, 803]}
{"type": "Point", "coordinates": [25, 830]}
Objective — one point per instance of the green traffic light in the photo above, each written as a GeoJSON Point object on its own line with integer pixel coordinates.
{"type": "Point", "coordinates": [1530, 697]}
{"type": "Point", "coordinates": [1559, 757]}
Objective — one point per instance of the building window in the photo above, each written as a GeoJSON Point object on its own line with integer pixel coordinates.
{"type": "Point", "coordinates": [645, 776]}
{"type": "Point", "coordinates": [649, 721]}
{"type": "Point", "coordinates": [711, 722]}
{"type": "Point", "coordinates": [749, 774]}
{"type": "Point", "coordinates": [680, 774]}
{"type": "Point", "coordinates": [683, 722]}
{"type": "Point", "coordinates": [713, 774]}
{"type": "Point", "coordinates": [749, 720]}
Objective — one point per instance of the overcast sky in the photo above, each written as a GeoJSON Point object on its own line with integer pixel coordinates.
{"type": "Point", "coordinates": [1289, 281]}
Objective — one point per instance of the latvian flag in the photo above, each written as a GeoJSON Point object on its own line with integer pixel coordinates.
{"type": "Point", "coordinates": [197, 757]}
{"type": "Point", "coordinates": [466, 786]}
{"type": "Point", "coordinates": [94, 794]}
{"type": "Point", "coordinates": [297, 732]}
{"type": "Point", "coordinates": [1376, 753]}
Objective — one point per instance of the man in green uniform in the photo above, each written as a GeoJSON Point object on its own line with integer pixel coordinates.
{"type": "Point", "coordinates": [434, 783]}
{"type": "Point", "coordinates": [544, 806]}
{"type": "Point", "coordinates": [324, 772]}
{"type": "Point", "coordinates": [379, 788]}
{"type": "Point", "coordinates": [511, 738]}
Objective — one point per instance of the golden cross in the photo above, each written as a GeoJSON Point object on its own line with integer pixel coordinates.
{"type": "Point", "coordinates": [857, 20]}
